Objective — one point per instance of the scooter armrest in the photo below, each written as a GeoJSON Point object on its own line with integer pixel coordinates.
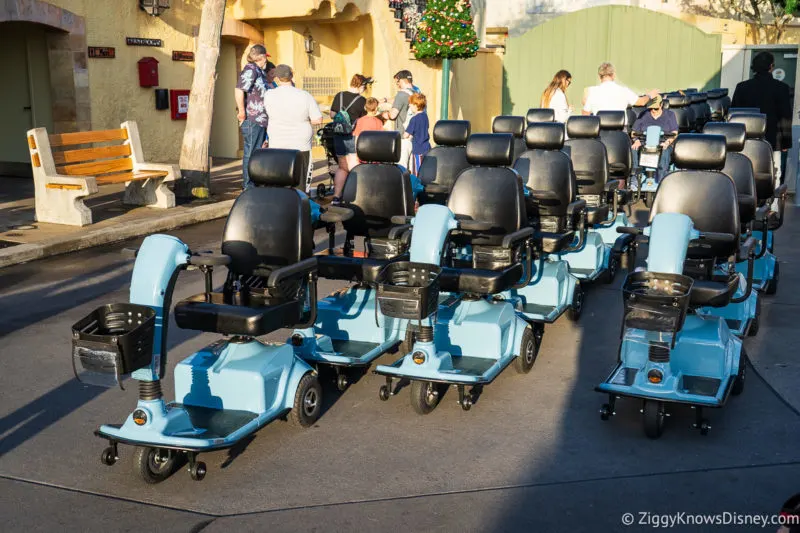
{"type": "Point", "coordinates": [574, 207]}
{"type": "Point", "coordinates": [209, 259]}
{"type": "Point", "coordinates": [781, 191]}
{"type": "Point", "coordinates": [518, 236]}
{"type": "Point", "coordinates": [613, 185]}
{"type": "Point", "coordinates": [622, 243]}
{"type": "Point", "coordinates": [474, 225]}
{"type": "Point", "coordinates": [303, 267]}
{"type": "Point", "coordinates": [436, 188]}
{"type": "Point", "coordinates": [336, 214]}
{"type": "Point", "coordinates": [746, 249]}
{"type": "Point", "coordinates": [398, 231]}
{"type": "Point", "coordinates": [762, 212]}
{"type": "Point", "coordinates": [401, 220]}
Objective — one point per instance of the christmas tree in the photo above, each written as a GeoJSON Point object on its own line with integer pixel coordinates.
{"type": "Point", "coordinates": [446, 31]}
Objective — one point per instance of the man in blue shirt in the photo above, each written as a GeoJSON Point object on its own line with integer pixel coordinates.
{"type": "Point", "coordinates": [665, 119]}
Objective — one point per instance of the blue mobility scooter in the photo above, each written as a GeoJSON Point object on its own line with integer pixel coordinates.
{"type": "Point", "coordinates": [670, 354]}
{"type": "Point", "coordinates": [769, 195]}
{"type": "Point", "coordinates": [647, 176]}
{"type": "Point", "coordinates": [558, 218]}
{"type": "Point", "coordinates": [442, 165]}
{"type": "Point", "coordinates": [349, 332]}
{"type": "Point", "coordinates": [461, 255]}
{"type": "Point", "coordinates": [603, 248]}
{"type": "Point", "coordinates": [744, 312]}
{"type": "Point", "coordinates": [233, 387]}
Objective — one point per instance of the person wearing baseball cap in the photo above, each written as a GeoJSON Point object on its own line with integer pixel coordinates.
{"type": "Point", "coordinates": [665, 119]}
{"type": "Point", "coordinates": [790, 513]}
{"type": "Point", "coordinates": [251, 87]}
{"type": "Point", "coordinates": [292, 113]}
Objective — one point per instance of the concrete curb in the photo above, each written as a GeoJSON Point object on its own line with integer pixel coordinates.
{"type": "Point", "coordinates": [118, 232]}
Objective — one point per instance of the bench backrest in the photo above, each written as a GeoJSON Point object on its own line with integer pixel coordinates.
{"type": "Point", "coordinates": [109, 155]}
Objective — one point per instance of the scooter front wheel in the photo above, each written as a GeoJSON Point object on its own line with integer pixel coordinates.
{"type": "Point", "coordinates": [307, 402]}
{"type": "Point", "coordinates": [154, 465]}
{"type": "Point", "coordinates": [576, 309]}
{"type": "Point", "coordinates": [425, 396]}
{"type": "Point", "coordinates": [738, 382]}
{"type": "Point", "coordinates": [528, 351]}
{"type": "Point", "coordinates": [649, 197]}
{"type": "Point", "coordinates": [654, 416]}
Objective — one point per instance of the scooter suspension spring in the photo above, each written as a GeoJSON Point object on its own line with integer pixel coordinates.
{"type": "Point", "coordinates": [149, 390]}
{"type": "Point", "coordinates": [425, 334]}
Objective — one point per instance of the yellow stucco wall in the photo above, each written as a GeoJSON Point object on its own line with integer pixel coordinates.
{"type": "Point", "coordinates": [114, 83]}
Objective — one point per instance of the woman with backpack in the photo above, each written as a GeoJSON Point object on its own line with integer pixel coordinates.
{"type": "Point", "coordinates": [347, 108]}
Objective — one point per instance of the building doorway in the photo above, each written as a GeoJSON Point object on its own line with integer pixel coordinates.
{"type": "Point", "coordinates": [25, 94]}
{"type": "Point", "coordinates": [224, 125]}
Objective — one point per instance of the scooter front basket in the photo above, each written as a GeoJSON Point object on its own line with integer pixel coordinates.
{"type": "Point", "coordinates": [408, 290]}
{"type": "Point", "coordinates": [656, 301]}
{"type": "Point", "coordinates": [111, 341]}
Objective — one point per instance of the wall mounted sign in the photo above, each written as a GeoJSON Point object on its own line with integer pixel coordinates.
{"type": "Point", "coordinates": [179, 103]}
{"type": "Point", "coordinates": [182, 56]}
{"type": "Point", "coordinates": [140, 41]}
{"type": "Point", "coordinates": [102, 52]}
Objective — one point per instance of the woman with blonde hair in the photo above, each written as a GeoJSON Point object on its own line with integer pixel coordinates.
{"type": "Point", "coordinates": [555, 96]}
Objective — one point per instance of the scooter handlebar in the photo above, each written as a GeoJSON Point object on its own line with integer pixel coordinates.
{"type": "Point", "coordinates": [401, 220]}
{"type": "Point", "coordinates": [717, 237]}
{"type": "Point", "coordinates": [629, 230]}
{"type": "Point", "coordinates": [209, 259]}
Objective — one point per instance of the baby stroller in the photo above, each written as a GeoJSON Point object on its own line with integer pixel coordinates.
{"type": "Point", "coordinates": [325, 135]}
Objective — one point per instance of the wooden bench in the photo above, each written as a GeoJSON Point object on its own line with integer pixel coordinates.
{"type": "Point", "coordinates": [68, 167]}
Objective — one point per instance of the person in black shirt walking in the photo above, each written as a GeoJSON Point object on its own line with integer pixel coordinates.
{"type": "Point", "coordinates": [346, 109]}
{"type": "Point", "coordinates": [773, 98]}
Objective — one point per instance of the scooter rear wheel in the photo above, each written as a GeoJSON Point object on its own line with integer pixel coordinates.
{"type": "Point", "coordinates": [578, 297]}
{"type": "Point", "coordinates": [425, 396]}
{"type": "Point", "coordinates": [528, 351]}
{"type": "Point", "coordinates": [613, 268]}
{"type": "Point", "coordinates": [654, 416]}
{"type": "Point", "coordinates": [154, 465]}
{"type": "Point", "coordinates": [755, 325]}
{"type": "Point", "coordinates": [648, 198]}
{"type": "Point", "coordinates": [738, 383]}
{"type": "Point", "coordinates": [307, 402]}
{"type": "Point", "coordinates": [772, 285]}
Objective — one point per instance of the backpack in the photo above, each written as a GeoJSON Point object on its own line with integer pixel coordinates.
{"type": "Point", "coordinates": [342, 123]}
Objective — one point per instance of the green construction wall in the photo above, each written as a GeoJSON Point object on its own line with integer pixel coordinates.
{"type": "Point", "coordinates": [649, 50]}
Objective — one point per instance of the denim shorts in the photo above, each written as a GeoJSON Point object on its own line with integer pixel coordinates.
{"type": "Point", "coordinates": [344, 145]}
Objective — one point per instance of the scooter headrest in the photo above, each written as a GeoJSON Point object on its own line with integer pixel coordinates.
{"type": "Point", "coordinates": [611, 120]}
{"type": "Point", "coordinates": [699, 97]}
{"type": "Point", "coordinates": [677, 100]}
{"type": "Point", "coordinates": [379, 147]}
{"type": "Point", "coordinates": [583, 127]}
{"type": "Point", "coordinates": [508, 124]}
{"type": "Point", "coordinates": [490, 149]}
{"type": "Point", "coordinates": [715, 94]}
{"type": "Point", "coordinates": [734, 134]}
{"type": "Point", "coordinates": [451, 132]}
{"type": "Point", "coordinates": [545, 136]}
{"type": "Point", "coordinates": [699, 151]}
{"type": "Point", "coordinates": [274, 167]}
{"type": "Point", "coordinates": [755, 124]}
{"type": "Point", "coordinates": [540, 115]}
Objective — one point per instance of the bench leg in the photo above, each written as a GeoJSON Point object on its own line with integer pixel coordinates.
{"type": "Point", "coordinates": [151, 192]}
{"type": "Point", "coordinates": [57, 206]}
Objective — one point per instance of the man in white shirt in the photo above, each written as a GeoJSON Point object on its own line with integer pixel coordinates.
{"type": "Point", "coordinates": [292, 112]}
{"type": "Point", "coordinates": [610, 96]}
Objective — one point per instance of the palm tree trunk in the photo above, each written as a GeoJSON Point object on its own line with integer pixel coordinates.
{"type": "Point", "coordinates": [194, 163]}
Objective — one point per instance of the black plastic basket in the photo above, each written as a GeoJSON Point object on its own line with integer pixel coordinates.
{"type": "Point", "coordinates": [655, 301]}
{"type": "Point", "coordinates": [114, 339]}
{"type": "Point", "coordinates": [408, 290]}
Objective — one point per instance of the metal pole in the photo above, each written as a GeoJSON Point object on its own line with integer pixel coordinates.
{"type": "Point", "coordinates": [445, 88]}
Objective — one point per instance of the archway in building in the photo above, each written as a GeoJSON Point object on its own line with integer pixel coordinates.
{"type": "Point", "coordinates": [648, 49]}
{"type": "Point", "coordinates": [46, 82]}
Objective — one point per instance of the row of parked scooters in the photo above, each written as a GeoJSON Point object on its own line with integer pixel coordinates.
{"type": "Point", "coordinates": [511, 228]}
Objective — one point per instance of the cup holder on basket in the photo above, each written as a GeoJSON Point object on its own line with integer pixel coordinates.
{"type": "Point", "coordinates": [111, 341]}
{"type": "Point", "coordinates": [408, 290]}
{"type": "Point", "coordinates": [655, 301]}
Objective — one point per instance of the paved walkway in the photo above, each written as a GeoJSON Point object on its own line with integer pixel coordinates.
{"type": "Point", "coordinates": [23, 239]}
{"type": "Point", "coordinates": [532, 454]}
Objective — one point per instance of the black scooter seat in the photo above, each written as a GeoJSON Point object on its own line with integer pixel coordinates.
{"type": "Point", "coordinates": [713, 293]}
{"type": "Point", "coordinates": [483, 282]}
{"type": "Point", "coordinates": [552, 243]}
{"type": "Point", "coordinates": [208, 312]}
